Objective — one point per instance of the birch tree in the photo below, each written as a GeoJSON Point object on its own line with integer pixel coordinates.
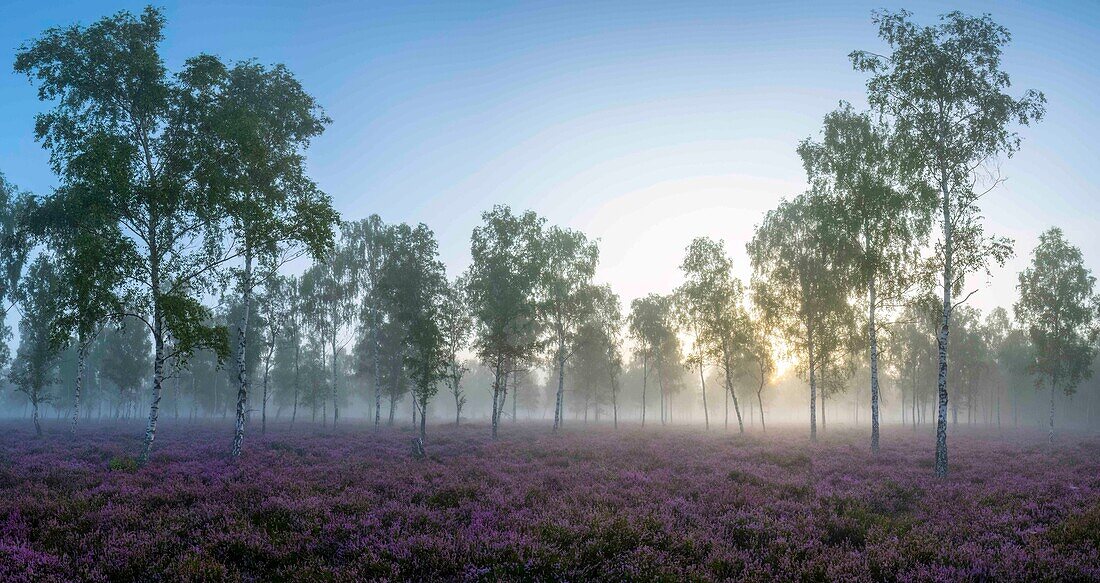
{"type": "Point", "coordinates": [885, 219]}
{"type": "Point", "coordinates": [1059, 306]}
{"type": "Point", "coordinates": [456, 324]}
{"type": "Point", "coordinates": [503, 277]}
{"type": "Point", "coordinates": [650, 325]}
{"type": "Point", "coordinates": [250, 126]}
{"type": "Point", "coordinates": [568, 265]}
{"type": "Point", "coordinates": [800, 276]}
{"type": "Point", "coordinates": [118, 128]}
{"type": "Point", "coordinates": [712, 299]}
{"type": "Point", "coordinates": [34, 368]}
{"type": "Point", "coordinates": [943, 90]}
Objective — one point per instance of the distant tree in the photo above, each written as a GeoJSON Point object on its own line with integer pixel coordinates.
{"type": "Point", "coordinates": [329, 294]}
{"type": "Point", "coordinates": [456, 326]}
{"type": "Point", "coordinates": [126, 360]}
{"type": "Point", "coordinates": [118, 138]}
{"type": "Point", "coordinates": [502, 282]}
{"type": "Point", "coordinates": [651, 326]}
{"type": "Point", "coordinates": [40, 298]}
{"type": "Point", "coordinates": [371, 240]}
{"type": "Point", "coordinates": [568, 264]}
{"type": "Point", "coordinates": [250, 127]}
{"type": "Point", "coordinates": [14, 247]}
{"type": "Point", "coordinates": [712, 299]}
{"type": "Point", "coordinates": [607, 324]}
{"type": "Point", "coordinates": [414, 282]}
{"type": "Point", "coordinates": [756, 360]}
{"type": "Point", "coordinates": [87, 251]}
{"type": "Point", "coordinates": [911, 352]}
{"type": "Point", "coordinates": [801, 275]}
{"type": "Point", "coordinates": [274, 310]}
{"type": "Point", "coordinates": [1016, 358]}
{"type": "Point", "coordinates": [943, 89]}
{"type": "Point", "coordinates": [885, 220]}
{"type": "Point", "coordinates": [1059, 306]}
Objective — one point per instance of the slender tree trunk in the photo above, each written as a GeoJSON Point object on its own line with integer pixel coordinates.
{"type": "Point", "coordinates": [614, 402]}
{"type": "Point", "coordinates": [872, 333]}
{"type": "Point", "coordinates": [297, 353]}
{"type": "Point", "coordinates": [335, 394]}
{"type": "Point", "coordinates": [496, 398]}
{"type": "Point", "coordinates": [242, 365]}
{"type": "Point", "coordinates": [645, 379]}
{"type": "Point", "coordinates": [158, 370]}
{"type": "Point", "coordinates": [729, 389]}
{"type": "Point", "coordinates": [941, 340]}
{"type": "Point", "coordinates": [559, 409]}
{"type": "Point", "coordinates": [760, 402]}
{"type": "Point", "coordinates": [34, 415]}
{"type": "Point", "coordinates": [813, 384]}
{"type": "Point", "coordinates": [377, 377]}
{"type": "Point", "coordinates": [423, 416]}
{"type": "Point", "coordinates": [1050, 434]}
{"type": "Point", "coordinates": [263, 406]}
{"type": "Point", "coordinates": [703, 383]}
{"type": "Point", "coordinates": [661, 388]}
{"type": "Point", "coordinates": [81, 359]}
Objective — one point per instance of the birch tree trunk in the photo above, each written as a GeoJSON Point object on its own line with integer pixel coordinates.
{"type": "Point", "coordinates": [242, 365]}
{"type": "Point", "coordinates": [158, 358]}
{"type": "Point", "coordinates": [813, 384]}
{"type": "Point", "coordinates": [335, 401]}
{"type": "Point", "coordinates": [703, 383]}
{"type": "Point", "coordinates": [941, 340]}
{"type": "Point", "coordinates": [733, 395]}
{"type": "Point", "coordinates": [297, 353]}
{"type": "Point", "coordinates": [81, 359]}
{"type": "Point", "coordinates": [1050, 435]}
{"type": "Point", "coordinates": [645, 379]}
{"type": "Point", "coordinates": [872, 334]}
{"type": "Point", "coordinates": [559, 411]}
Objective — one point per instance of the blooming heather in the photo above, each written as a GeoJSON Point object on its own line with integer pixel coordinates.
{"type": "Point", "coordinates": [354, 505]}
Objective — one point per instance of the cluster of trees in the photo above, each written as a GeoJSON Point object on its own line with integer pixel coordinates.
{"type": "Point", "coordinates": [183, 195]}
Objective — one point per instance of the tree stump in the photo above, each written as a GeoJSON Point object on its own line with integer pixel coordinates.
{"type": "Point", "coordinates": [418, 448]}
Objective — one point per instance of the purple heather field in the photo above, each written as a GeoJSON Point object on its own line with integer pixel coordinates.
{"type": "Point", "coordinates": [593, 504]}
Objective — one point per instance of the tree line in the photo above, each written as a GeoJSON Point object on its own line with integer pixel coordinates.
{"type": "Point", "coordinates": [183, 195]}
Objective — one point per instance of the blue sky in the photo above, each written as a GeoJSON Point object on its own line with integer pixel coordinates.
{"type": "Point", "coordinates": [644, 124]}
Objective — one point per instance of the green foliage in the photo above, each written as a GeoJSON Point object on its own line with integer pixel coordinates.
{"type": "Point", "coordinates": [503, 277]}
{"type": "Point", "coordinates": [801, 277]}
{"type": "Point", "coordinates": [40, 298]}
{"type": "Point", "coordinates": [1059, 306]}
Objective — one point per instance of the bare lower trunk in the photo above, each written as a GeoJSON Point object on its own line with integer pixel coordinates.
{"type": "Point", "coordinates": [158, 381]}
{"type": "Point", "coordinates": [496, 399]}
{"type": "Point", "coordinates": [297, 352]}
{"type": "Point", "coordinates": [242, 365]}
{"type": "Point", "coordinates": [813, 388]}
{"type": "Point", "coordinates": [703, 384]}
{"type": "Point", "coordinates": [335, 395]}
{"type": "Point", "coordinates": [423, 416]}
{"type": "Point", "coordinates": [941, 341]}
{"type": "Point", "coordinates": [34, 417]}
{"type": "Point", "coordinates": [872, 334]}
{"type": "Point", "coordinates": [81, 359]}
{"type": "Point", "coordinates": [558, 410]}
{"type": "Point", "coordinates": [1050, 435]}
{"type": "Point", "coordinates": [645, 379]}
{"type": "Point", "coordinates": [760, 403]}
{"type": "Point", "coordinates": [263, 407]}
{"type": "Point", "coordinates": [733, 395]}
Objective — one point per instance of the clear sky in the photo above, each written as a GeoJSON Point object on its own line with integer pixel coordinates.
{"type": "Point", "coordinates": [642, 124]}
